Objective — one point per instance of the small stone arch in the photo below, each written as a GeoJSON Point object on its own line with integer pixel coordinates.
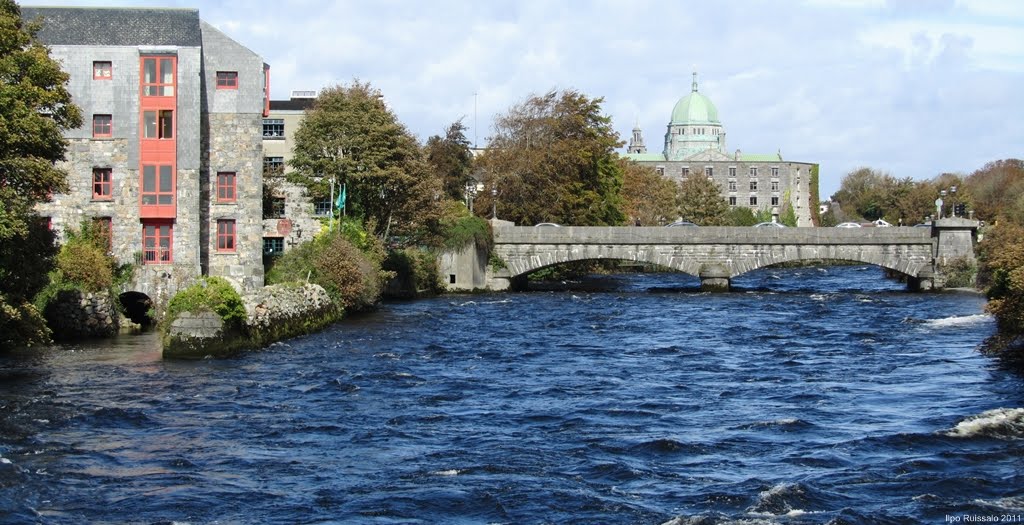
{"type": "Point", "coordinates": [137, 307]}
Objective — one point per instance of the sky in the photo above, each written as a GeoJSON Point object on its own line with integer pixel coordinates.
{"type": "Point", "coordinates": [914, 88]}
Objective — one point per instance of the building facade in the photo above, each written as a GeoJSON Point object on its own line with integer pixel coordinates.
{"type": "Point", "coordinates": [694, 145]}
{"type": "Point", "coordinates": [169, 159]}
{"type": "Point", "coordinates": [290, 216]}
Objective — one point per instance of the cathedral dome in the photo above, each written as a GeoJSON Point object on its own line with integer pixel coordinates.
{"type": "Point", "coordinates": [694, 108]}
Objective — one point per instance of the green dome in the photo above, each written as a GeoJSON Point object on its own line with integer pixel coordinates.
{"type": "Point", "coordinates": [695, 109]}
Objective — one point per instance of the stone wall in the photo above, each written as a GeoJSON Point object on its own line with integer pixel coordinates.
{"type": "Point", "coordinates": [74, 314]}
{"type": "Point", "coordinates": [202, 334]}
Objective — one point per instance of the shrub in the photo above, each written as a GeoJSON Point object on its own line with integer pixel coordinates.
{"type": "Point", "coordinates": [351, 279]}
{"type": "Point", "coordinates": [416, 270]}
{"type": "Point", "coordinates": [1002, 270]}
{"type": "Point", "coordinates": [469, 228]}
{"type": "Point", "coordinates": [210, 293]}
{"type": "Point", "coordinates": [21, 325]}
{"type": "Point", "coordinates": [959, 272]}
{"type": "Point", "coordinates": [82, 263]}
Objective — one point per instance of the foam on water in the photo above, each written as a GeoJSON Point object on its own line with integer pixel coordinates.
{"type": "Point", "coordinates": [1002, 423]}
{"type": "Point", "coordinates": [957, 321]}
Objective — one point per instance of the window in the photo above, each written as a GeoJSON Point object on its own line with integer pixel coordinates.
{"type": "Point", "coordinates": [158, 124]}
{"type": "Point", "coordinates": [709, 171]}
{"type": "Point", "coordinates": [732, 201]}
{"type": "Point", "coordinates": [104, 228]}
{"type": "Point", "coordinates": [157, 186]}
{"type": "Point", "coordinates": [227, 80]}
{"type": "Point", "coordinates": [732, 171]}
{"type": "Point", "coordinates": [775, 172]}
{"type": "Point", "coordinates": [686, 172]}
{"type": "Point", "coordinates": [732, 185]}
{"type": "Point", "coordinates": [102, 70]}
{"type": "Point", "coordinates": [102, 126]}
{"type": "Point", "coordinates": [225, 235]}
{"type": "Point", "coordinates": [753, 185]}
{"type": "Point", "coordinates": [158, 76]}
{"type": "Point", "coordinates": [273, 165]}
{"type": "Point", "coordinates": [273, 128]}
{"type": "Point", "coordinates": [322, 206]}
{"type": "Point", "coordinates": [753, 201]}
{"type": "Point", "coordinates": [775, 200]}
{"type": "Point", "coordinates": [273, 245]}
{"type": "Point", "coordinates": [753, 171]}
{"type": "Point", "coordinates": [273, 208]}
{"type": "Point", "coordinates": [660, 170]}
{"type": "Point", "coordinates": [775, 185]}
{"type": "Point", "coordinates": [226, 181]}
{"type": "Point", "coordinates": [101, 184]}
{"type": "Point", "coordinates": [156, 243]}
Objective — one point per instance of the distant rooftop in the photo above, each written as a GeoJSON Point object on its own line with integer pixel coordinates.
{"type": "Point", "coordinates": [116, 26]}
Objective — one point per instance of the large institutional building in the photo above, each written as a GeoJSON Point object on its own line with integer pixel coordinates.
{"type": "Point", "coordinates": [695, 145]}
{"type": "Point", "coordinates": [169, 161]}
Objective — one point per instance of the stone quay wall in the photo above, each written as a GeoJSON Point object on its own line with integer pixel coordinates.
{"type": "Point", "coordinates": [73, 314]}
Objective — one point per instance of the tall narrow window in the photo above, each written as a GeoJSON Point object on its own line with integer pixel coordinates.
{"type": "Point", "coordinates": [101, 184]}
{"type": "Point", "coordinates": [775, 185]}
{"type": "Point", "coordinates": [102, 70]}
{"type": "Point", "coordinates": [775, 172]}
{"type": "Point", "coordinates": [686, 172]}
{"type": "Point", "coordinates": [709, 171]}
{"type": "Point", "coordinates": [732, 185]}
{"type": "Point", "coordinates": [226, 187]}
{"type": "Point", "coordinates": [158, 76]}
{"type": "Point", "coordinates": [753, 201]}
{"type": "Point", "coordinates": [227, 80]}
{"type": "Point", "coordinates": [753, 185]}
{"type": "Point", "coordinates": [775, 201]}
{"type": "Point", "coordinates": [104, 228]}
{"type": "Point", "coordinates": [157, 238]}
{"type": "Point", "coordinates": [732, 201]}
{"type": "Point", "coordinates": [225, 235]}
{"type": "Point", "coordinates": [753, 171]}
{"type": "Point", "coordinates": [732, 171]}
{"type": "Point", "coordinates": [102, 126]}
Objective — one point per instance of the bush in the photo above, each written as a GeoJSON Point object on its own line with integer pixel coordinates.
{"type": "Point", "coordinates": [209, 293]}
{"type": "Point", "coordinates": [351, 279]}
{"type": "Point", "coordinates": [960, 272]}
{"type": "Point", "coordinates": [416, 270]}
{"type": "Point", "coordinates": [82, 263]}
{"type": "Point", "coordinates": [21, 324]}
{"type": "Point", "coordinates": [1002, 271]}
{"type": "Point", "coordinates": [469, 228]}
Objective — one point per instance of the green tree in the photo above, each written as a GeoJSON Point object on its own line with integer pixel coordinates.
{"type": "Point", "coordinates": [352, 137]}
{"type": "Point", "coordinates": [450, 159]}
{"type": "Point", "coordinates": [739, 216]}
{"type": "Point", "coordinates": [997, 190]}
{"type": "Point", "coordinates": [35, 111]}
{"type": "Point", "coordinates": [647, 198]}
{"type": "Point", "coordinates": [863, 193]}
{"type": "Point", "coordinates": [701, 202]}
{"type": "Point", "coordinates": [552, 159]}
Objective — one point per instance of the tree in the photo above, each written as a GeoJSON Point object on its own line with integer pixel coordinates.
{"type": "Point", "coordinates": [35, 111]}
{"type": "Point", "coordinates": [647, 198]}
{"type": "Point", "coordinates": [450, 159]}
{"type": "Point", "coordinates": [997, 190]}
{"type": "Point", "coordinates": [862, 193]}
{"type": "Point", "coordinates": [352, 137]}
{"type": "Point", "coordinates": [552, 159]}
{"type": "Point", "coordinates": [701, 201]}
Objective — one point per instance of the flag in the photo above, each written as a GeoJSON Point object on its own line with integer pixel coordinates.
{"type": "Point", "coordinates": [340, 203]}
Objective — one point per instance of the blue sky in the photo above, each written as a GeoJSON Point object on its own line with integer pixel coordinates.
{"type": "Point", "coordinates": [911, 87]}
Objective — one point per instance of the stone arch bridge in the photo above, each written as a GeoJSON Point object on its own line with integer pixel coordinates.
{"type": "Point", "coordinates": [717, 254]}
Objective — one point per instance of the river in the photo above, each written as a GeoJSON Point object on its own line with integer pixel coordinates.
{"type": "Point", "coordinates": [810, 395]}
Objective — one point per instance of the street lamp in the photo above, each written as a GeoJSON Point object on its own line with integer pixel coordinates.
{"type": "Point", "coordinates": [494, 201]}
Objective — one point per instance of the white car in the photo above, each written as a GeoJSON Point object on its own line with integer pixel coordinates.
{"type": "Point", "coordinates": [848, 225]}
{"type": "Point", "coordinates": [769, 225]}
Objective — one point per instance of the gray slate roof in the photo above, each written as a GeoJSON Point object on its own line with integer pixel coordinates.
{"type": "Point", "coordinates": [90, 26]}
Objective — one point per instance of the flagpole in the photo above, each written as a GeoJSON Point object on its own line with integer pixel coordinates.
{"type": "Point", "coordinates": [330, 223]}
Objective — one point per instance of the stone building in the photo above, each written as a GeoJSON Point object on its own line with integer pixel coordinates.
{"type": "Point", "coordinates": [290, 216]}
{"type": "Point", "coordinates": [695, 145]}
{"type": "Point", "coordinates": [169, 159]}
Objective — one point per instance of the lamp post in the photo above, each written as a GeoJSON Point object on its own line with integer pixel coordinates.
{"type": "Point", "coordinates": [952, 206]}
{"type": "Point", "coordinates": [494, 201]}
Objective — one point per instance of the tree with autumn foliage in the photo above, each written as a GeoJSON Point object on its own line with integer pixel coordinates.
{"type": "Point", "coordinates": [35, 111]}
{"type": "Point", "coordinates": [701, 201]}
{"type": "Point", "coordinates": [552, 159]}
{"type": "Point", "coordinates": [648, 199]}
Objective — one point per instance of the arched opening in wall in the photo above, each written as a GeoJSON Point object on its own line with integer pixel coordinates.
{"type": "Point", "coordinates": [137, 306]}
{"type": "Point", "coordinates": [821, 276]}
{"type": "Point", "coordinates": [607, 275]}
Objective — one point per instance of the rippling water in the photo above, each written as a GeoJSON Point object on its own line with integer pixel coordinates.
{"type": "Point", "coordinates": [809, 396]}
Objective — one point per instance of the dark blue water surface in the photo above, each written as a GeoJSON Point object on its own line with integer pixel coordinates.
{"type": "Point", "coordinates": [808, 396]}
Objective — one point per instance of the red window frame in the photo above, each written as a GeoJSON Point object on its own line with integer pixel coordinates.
{"type": "Point", "coordinates": [102, 184]}
{"type": "Point", "coordinates": [157, 242]}
{"type": "Point", "coordinates": [102, 70]}
{"type": "Point", "coordinates": [226, 186]}
{"type": "Point", "coordinates": [158, 189]}
{"type": "Point", "coordinates": [227, 80]}
{"type": "Point", "coordinates": [161, 79]}
{"type": "Point", "coordinates": [102, 125]}
{"type": "Point", "coordinates": [226, 235]}
{"type": "Point", "coordinates": [105, 228]}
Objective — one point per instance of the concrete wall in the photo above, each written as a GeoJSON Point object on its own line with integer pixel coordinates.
{"type": "Point", "coordinates": [465, 269]}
